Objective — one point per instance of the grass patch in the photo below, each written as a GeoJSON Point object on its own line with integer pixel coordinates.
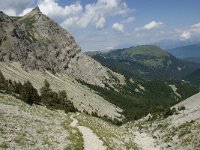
{"type": "Point", "coordinates": [21, 139]}
{"type": "Point", "coordinates": [154, 63]}
{"type": "Point", "coordinates": [46, 141]}
{"type": "Point", "coordinates": [75, 136]}
{"type": "Point", "coordinates": [2, 131]}
{"type": "Point", "coordinates": [4, 145]}
{"type": "Point", "coordinates": [184, 134]}
{"type": "Point", "coordinates": [28, 22]}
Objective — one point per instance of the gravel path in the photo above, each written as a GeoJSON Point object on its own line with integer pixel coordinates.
{"type": "Point", "coordinates": [145, 141]}
{"type": "Point", "coordinates": [91, 141]}
{"type": "Point", "coordinates": [74, 122]}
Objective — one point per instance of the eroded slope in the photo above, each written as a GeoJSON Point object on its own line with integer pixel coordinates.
{"type": "Point", "coordinates": [82, 97]}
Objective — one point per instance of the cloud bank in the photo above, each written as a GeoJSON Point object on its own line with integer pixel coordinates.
{"type": "Point", "coordinates": [76, 15]}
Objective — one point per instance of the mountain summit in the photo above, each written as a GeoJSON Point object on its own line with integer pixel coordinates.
{"type": "Point", "coordinates": [36, 9]}
{"type": "Point", "coordinates": [39, 43]}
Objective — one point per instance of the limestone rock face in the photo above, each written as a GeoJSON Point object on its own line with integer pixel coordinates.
{"type": "Point", "coordinates": [37, 42]}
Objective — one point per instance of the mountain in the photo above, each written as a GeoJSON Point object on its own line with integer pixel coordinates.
{"type": "Point", "coordinates": [145, 61]}
{"type": "Point", "coordinates": [174, 132]}
{"type": "Point", "coordinates": [191, 105]}
{"type": "Point", "coordinates": [36, 114]}
{"type": "Point", "coordinates": [39, 43]}
{"type": "Point", "coordinates": [92, 53]}
{"type": "Point", "coordinates": [189, 52]}
{"type": "Point", "coordinates": [35, 48]}
{"type": "Point", "coordinates": [170, 44]}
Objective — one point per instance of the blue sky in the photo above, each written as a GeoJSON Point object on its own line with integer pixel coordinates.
{"type": "Point", "coordinates": [110, 24]}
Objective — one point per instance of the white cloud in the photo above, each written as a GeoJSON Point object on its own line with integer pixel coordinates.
{"type": "Point", "coordinates": [14, 7]}
{"type": "Point", "coordinates": [96, 14]}
{"type": "Point", "coordinates": [185, 35]}
{"type": "Point", "coordinates": [152, 25]}
{"type": "Point", "coordinates": [193, 30]}
{"type": "Point", "coordinates": [53, 9]}
{"type": "Point", "coordinates": [101, 23]}
{"type": "Point", "coordinates": [69, 22]}
{"type": "Point", "coordinates": [118, 27]}
{"type": "Point", "coordinates": [25, 11]}
{"type": "Point", "coordinates": [149, 26]}
{"type": "Point", "coordinates": [10, 12]}
{"type": "Point", "coordinates": [128, 20]}
{"type": "Point", "coordinates": [109, 48]}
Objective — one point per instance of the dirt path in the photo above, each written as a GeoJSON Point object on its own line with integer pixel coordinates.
{"type": "Point", "coordinates": [91, 141]}
{"type": "Point", "coordinates": [74, 122]}
{"type": "Point", "coordinates": [145, 141]}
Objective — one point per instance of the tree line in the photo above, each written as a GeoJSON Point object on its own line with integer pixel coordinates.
{"type": "Point", "coordinates": [27, 93]}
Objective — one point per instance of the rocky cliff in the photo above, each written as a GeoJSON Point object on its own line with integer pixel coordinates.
{"type": "Point", "coordinates": [39, 43]}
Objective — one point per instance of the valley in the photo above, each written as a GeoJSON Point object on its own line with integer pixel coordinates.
{"type": "Point", "coordinates": [55, 96]}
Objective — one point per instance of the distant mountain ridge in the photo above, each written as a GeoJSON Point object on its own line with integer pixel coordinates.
{"type": "Point", "coordinates": [189, 52]}
{"type": "Point", "coordinates": [145, 61]}
{"type": "Point", "coordinates": [171, 44]}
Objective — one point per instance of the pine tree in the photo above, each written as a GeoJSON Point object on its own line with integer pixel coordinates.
{"type": "Point", "coordinates": [9, 87]}
{"type": "Point", "coordinates": [67, 105]}
{"type": "Point", "coordinates": [3, 84]}
{"type": "Point", "coordinates": [17, 87]}
{"type": "Point", "coordinates": [29, 94]}
{"type": "Point", "coordinates": [45, 89]}
{"type": "Point", "coordinates": [48, 97]}
{"type": "Point", "coordinates": [62, 97]}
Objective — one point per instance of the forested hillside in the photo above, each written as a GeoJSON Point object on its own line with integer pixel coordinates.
{"type": "Point", "coordinates": [147, 62]}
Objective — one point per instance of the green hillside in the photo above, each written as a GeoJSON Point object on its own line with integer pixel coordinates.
{"type": "Point", "coordinates": [194, 77]}
{"type": "Point", "coordinates": [138, 98]}
{"type": "Point", "coordinates": [147, 50]}
{"type": "Point", "coordinates": [147, 62]}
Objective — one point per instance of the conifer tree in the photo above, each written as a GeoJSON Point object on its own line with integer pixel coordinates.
{"type": "Point", "coordinates": [48, 97]}
{"type": "Point", "coordinates": [2, 81]}
{"type": "Point", "coordinates": [29, 94]}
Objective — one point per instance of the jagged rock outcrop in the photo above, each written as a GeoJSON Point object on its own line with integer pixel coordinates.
{"type": "Point", "coordinates": [37, 42]}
